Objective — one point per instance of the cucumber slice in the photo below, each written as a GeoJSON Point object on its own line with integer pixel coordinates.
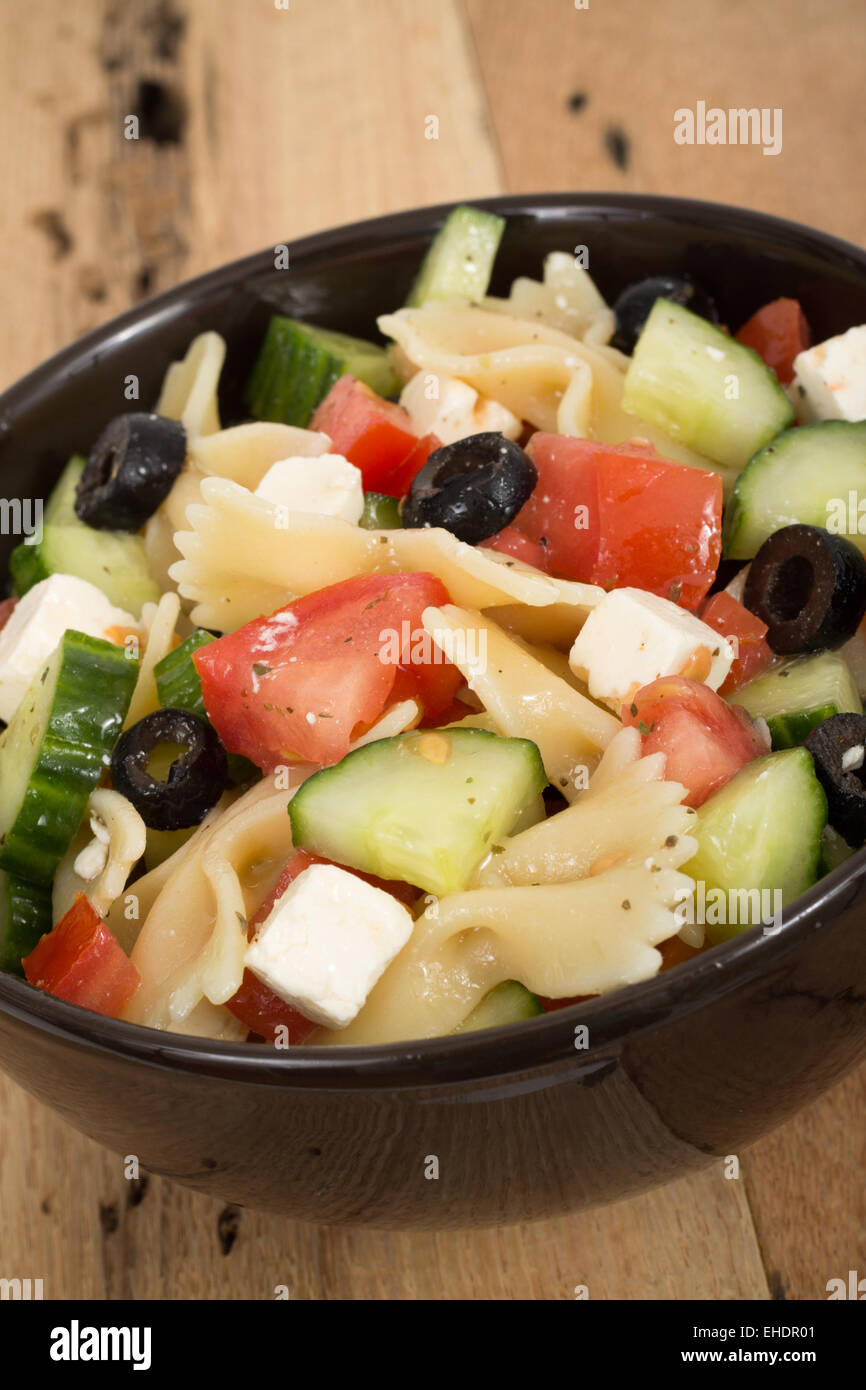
{"type": "Point", "coordinates": [380, 513]}
{"type": "Point", "coordinates": [459, 262]}
{"type": "Point", "coordinates": [834, 851]}
{"type": "Point", "coordinates": [299, 363]}
{"type": "Point", "coordinates": [509, 1002]}
{"type": "Point", "coordinates": [424, 807]}
{"type": "Point", "coordinates": [177, 681]}
{"type": "Point", "coordinates": [55, 749]}
{"type": "Point", "coordinates": [794, 698]}
{"type": "Point", "coordinates": [114, 561]}
{"type": "Point", "coordinates": [808, 475]}
{"type": "Point", "coordinates": [178, 686]}
{"type": "Point", "coordinates": [682, 377]}
{"type": "Point", "coordinates": [60, 507]}
{"type": "Point", "coordinates": [761, 831]}
{"type": "Point", "coordinates": [25, 915]}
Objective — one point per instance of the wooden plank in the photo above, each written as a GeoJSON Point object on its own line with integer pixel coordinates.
{"type": "Point", "coordinates": [628, 67]}
{"type": "Point", "coordinates": [72, 1219]}
{"type": "Point", "coordinates": [807, 1195]}
{"type": "Point", "coordinates": [256, 125]}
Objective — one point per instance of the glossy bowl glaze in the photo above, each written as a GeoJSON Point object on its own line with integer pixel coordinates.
{"type": "Point", "coordinates": [685, 1068]}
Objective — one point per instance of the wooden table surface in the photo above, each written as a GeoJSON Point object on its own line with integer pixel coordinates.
{"type": "Point", "coordinates": [261, 121]}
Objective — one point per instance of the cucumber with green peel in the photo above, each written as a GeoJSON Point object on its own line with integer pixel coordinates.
{"type": "Point", "coordinates": [759, 841]}
{"type": "Point", "coordinates": [459, 262]}
{"type": "Point", "coordinates": [178, 683]}
{"type": "Point", "coordinates": [796, 697]}
{"type": "Point", "coordinates": [509, 1002]}
{"type": "Point", "coordinates": [703, 388]}
{"type": "Point", "coordinates": [114, 561]}
{"type": "Point", "coordinates": [55, 749]}
{"type": "Point", "coordinates": [299, 363]}
{"type": "Point", "coordinates": [809, 474]}
{"type": "Point", "coordinates": [424, 807]}
{"type": "Point", "coordinates": [178, 686]}
{"type": "Point", "coordinates": [60, 507]}
{"type": "Point", "coordinates": [834, 851]}
{"type": "Point", "coordinates": [381, 513]}
{"type": "Point", "coordinates": [25, 915]}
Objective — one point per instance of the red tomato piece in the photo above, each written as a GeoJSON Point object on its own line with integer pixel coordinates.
{"type": "Point", "coordinates": [302, 683]}
{"type": "Point", "coordinates": [400, 479]}
{"type": "Point", "coordinates": [747, 634]}
{"type": "Point", "coordinates": [777, 332]}
{"type": "Point", "coordinates": [80, 961]}
{"type": "Point", "coordinates": [254, 1003]}
{"type": "Point", "coordinates": [7, 607]}
{"type": "Point", "coordinates": [374, 434]}
{"type": "Point", "coordinates": [458, 709]}
{"type": "Point", "coordinates": [705, 740]}
{"type": "Point", "coordinates": [624, 516]}
{"type": "Point", "coordinates": [512, 541]}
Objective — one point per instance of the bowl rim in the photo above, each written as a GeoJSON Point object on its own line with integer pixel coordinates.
{"type": "Point", "coordinates": [516, 1048]}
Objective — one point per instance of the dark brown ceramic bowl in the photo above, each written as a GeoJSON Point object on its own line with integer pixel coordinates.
{"type": "Point", "coordinates": [681, 1070]}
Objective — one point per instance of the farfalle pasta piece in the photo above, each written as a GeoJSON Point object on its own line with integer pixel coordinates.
{"type": "Point", "coordinates": [103, 854]}
{"type": "Point", "coordinates": [565, 299]}
{"type": "Point", "coordinates": [244, 556]}
{"type": "Point", "coordinates": [160, 621]}
{"type": "Point", "coordinates": [192, 941]}
{"type": "Point", "coordinates": [189, 388]}
{"type": "Point", "coordinates": [554, 381]}
{"type": "Point", "coordinates": [524, 697]}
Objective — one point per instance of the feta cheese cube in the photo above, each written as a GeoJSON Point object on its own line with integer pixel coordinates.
{"type": "Point", "coordinates": [327, 484]}
{"type": "Point", "coordinates": [455, 410]}
{"type": "Point", "coordinates": [326, 942]}
{"type": "Point", "coordinates": [830, 378]}
{"type": "Point", "coordinates": [39, 620]}
{"type": "Point", "coordinates": [633, 637]}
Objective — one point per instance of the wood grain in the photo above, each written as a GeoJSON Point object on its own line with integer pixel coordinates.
{"type": "Point", "coordinates": [259, 124]}
{"type": "Point", "coordinates": [634, 64]}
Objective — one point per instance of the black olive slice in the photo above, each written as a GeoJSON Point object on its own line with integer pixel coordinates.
{"type": "Point", "coordinates": [809, 587]}
{"type": "Point", "coordinates": [130, 471]}
{"type": "Point", "coordinates": [473, 487]}
{"type": "Point", "coordinates": [196, 778]}
{"type": "Point", "coordinates": [632, 308]}
{"type": "Point", "coordinates": [838, 748]}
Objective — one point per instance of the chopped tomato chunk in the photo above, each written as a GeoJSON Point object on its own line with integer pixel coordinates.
{"type": "Point", "coordinates": [513, 542]}
{"type": "Point", "coordinates": [7, 607]}
{"type": "Point", "coordinates": [777, 333]}
{"type": "Point", "coordinates": [302, 683]}
{"type": "Point", "coordinates": [622, 515]}
{"type": "Point", "coordinates": [82, 962]}
{"type": "Point", "coordinates": [400, 479]}
{"type": "Point", "coordinates": [374, 434]}
{"type": "Point", "coordinates": [747, 634]}
{"type": "Point", "coordinates": [705, 740]}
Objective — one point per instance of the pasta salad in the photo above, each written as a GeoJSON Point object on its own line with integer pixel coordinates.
{"type": "Point", "coordinates": [480, 671]}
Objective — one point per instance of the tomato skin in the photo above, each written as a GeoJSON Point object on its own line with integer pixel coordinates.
{"type": "Point", "coordinates": [254, 1003]}
{"type": "Point", "coordinates": [734, 621]}
{"type": "Point", "coordinates": [7, 608]}
{"type": "Point", "coordinates": [622, 515]}
{"type": "Point", "coordinates": [705, 741]}
{"type": "Point", "coordinates": [400, 479]}
{"type": "Point", "coordinates": [777, 333]}
{"type": "Point", "coordinates": [512, 541]}
{"type": "Point", "coordinates": [329, 656]}
{"type": "Point", "coordinates": [80, 961]}
{"type": "Point", "coordinates": [374, 434]}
